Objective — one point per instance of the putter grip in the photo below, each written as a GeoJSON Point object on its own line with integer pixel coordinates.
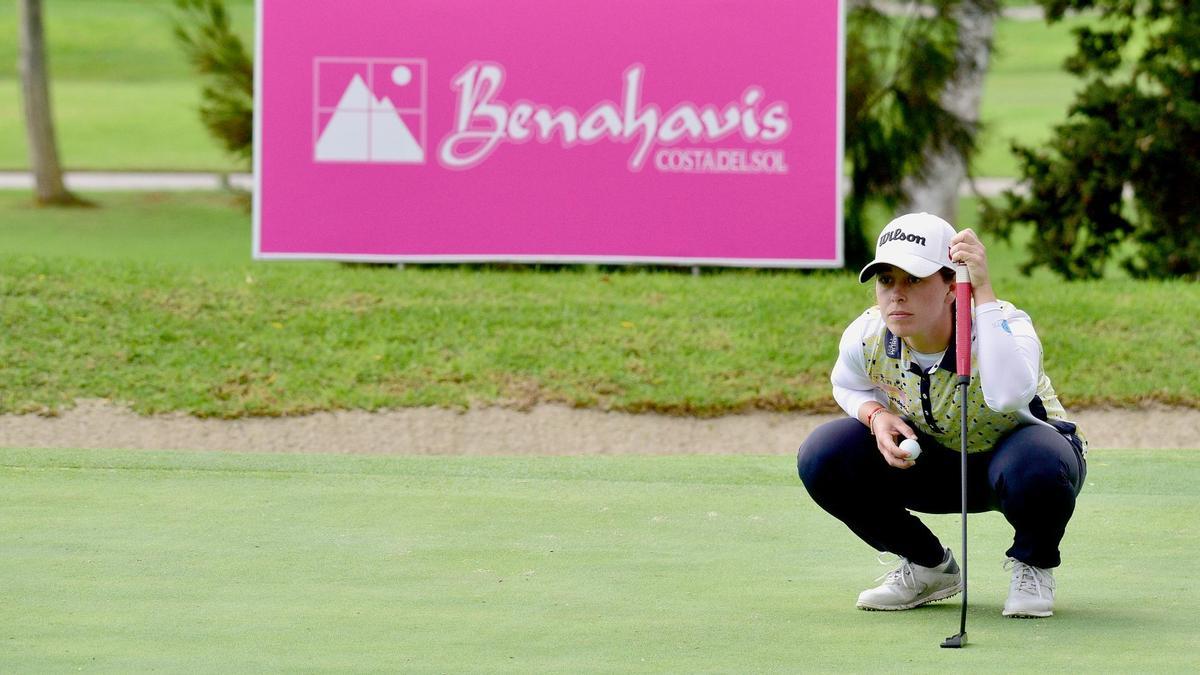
{"type": "Point", "coordinates": [962, 328]}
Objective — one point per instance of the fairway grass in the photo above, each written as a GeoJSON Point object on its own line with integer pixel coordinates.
{"type": "Point", "coordinates": [122, 561]}
{"type": "Point", "coordinates": [1026, 92]}
{"type": "Point", "coordinates": [122, 92]}
{"type": "Point", "coordinates": [119, 126]}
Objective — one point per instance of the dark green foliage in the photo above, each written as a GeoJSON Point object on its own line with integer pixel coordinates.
{"type": "Point", "coordinates": [218, 55]}
{"type": "Point", "coordinates": [896, 70]}
{"type": "Point", "coordinates": [1135, 124]}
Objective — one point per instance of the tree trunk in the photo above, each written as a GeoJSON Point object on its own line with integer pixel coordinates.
{"type": "Point", "coordinates": [39, 125]}
{"type": "Point", "coordinates": [938, 192]}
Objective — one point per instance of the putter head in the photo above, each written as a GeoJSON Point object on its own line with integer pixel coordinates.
{"type": "Point", "coordinates": [955, 641]}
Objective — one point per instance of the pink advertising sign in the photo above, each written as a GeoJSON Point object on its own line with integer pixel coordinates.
{"type": "Point", "coordinates": [691, 132]}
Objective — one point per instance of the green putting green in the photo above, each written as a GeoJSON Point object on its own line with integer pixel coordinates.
{"type": "Point", "coordinates": [128, 561]}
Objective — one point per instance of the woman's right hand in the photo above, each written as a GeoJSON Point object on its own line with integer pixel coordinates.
{"type": "Point", "coordinates": [889, 429]}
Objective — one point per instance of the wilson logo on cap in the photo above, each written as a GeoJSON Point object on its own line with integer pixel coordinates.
{"type": "Point", "coordinates": [899, 235]}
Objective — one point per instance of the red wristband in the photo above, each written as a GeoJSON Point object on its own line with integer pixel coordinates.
{"type": "Point", "coordinates": [871, 418]}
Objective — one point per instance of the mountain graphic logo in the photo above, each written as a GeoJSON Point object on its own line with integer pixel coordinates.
{"type": "Point", "coordinates": [370, 111]}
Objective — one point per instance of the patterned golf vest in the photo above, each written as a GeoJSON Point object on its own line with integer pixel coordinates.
{"type": "Point", "coordinates": [930, 399]}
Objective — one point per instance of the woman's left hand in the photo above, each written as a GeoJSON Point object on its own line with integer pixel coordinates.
{"type": "Point", "coordinates": [965, 247]}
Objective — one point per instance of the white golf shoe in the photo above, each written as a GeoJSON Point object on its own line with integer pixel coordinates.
{"type": "Point", "coordinates": [1031, 591]}
{"type": "Point", "coordinates": [911, 585]}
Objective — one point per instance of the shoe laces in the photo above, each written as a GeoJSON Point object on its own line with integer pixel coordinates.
{"type": "Point", "coordinates": [902, 575]}
{"type": "Point", "coordinates": [1029, 579]}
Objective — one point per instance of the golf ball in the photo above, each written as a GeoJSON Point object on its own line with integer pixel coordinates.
{"type": "Point", "coordinates": [912, 447]}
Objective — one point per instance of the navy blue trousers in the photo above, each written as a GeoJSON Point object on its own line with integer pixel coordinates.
{"type": "Point", "coordinates": [1032, 476]}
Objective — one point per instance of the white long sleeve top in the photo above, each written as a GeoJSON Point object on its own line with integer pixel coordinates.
{"type": "Point", "coordinates": [1006, 371]}
{"type": "Point", "coordinates": [1005, 350]}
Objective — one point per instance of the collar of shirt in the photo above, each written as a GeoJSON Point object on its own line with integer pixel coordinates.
{"type": "Point", "coordinates": [893, 346]}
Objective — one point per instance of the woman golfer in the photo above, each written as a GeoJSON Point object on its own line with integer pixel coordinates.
{"type": "Point", "coordinates": [895, 378]}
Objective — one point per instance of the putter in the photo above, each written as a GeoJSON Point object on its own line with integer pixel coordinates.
{"type": "Point", "coordinates": [962, 348]}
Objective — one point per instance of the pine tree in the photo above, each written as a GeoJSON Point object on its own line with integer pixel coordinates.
{"type": "Point", "coordinates": [1133, 129]}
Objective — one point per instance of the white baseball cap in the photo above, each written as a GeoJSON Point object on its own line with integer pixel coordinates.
{"type": "Point", "coordinates": [918, 243]}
